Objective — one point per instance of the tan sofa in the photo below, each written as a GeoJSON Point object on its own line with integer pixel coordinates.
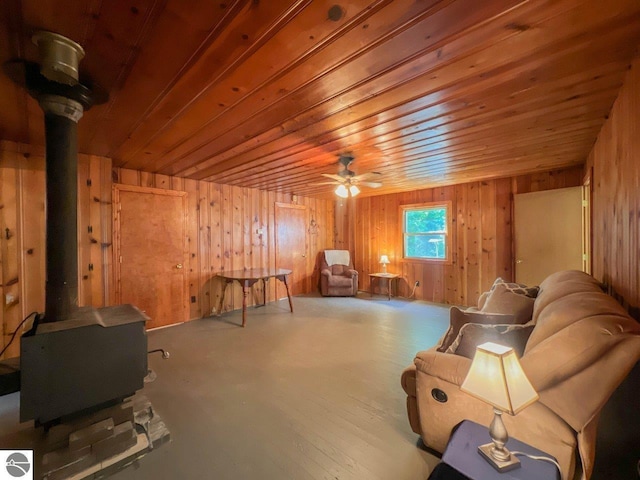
{"type": "Point", "coordinates": [582, 346]}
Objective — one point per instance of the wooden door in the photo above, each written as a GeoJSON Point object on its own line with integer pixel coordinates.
{"type": "Point", "coordinates": [548, 233]}
{"type": "Point", "coordinates": [151, 252]}
{"type": "Point", "coordinates": [291, 246]}
{"type": "Point", "coordinates": [586, 226]}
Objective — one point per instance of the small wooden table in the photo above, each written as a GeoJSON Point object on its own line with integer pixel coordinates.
{"type": "Point", "coordinates": [381, 276]}
{"type": "Point", "coordinates": [246, 278]}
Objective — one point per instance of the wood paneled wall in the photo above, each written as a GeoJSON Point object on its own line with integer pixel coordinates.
{"type": "Point", "coordinates": [482, 235]}
{"type": "Point", "coordinates": [223, 224]}
{"type": "Point", "coordinates": [614, 164]}
{"type": "Point", "coordinates": [22, 243]}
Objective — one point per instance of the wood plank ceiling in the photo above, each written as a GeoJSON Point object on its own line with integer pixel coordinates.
{"type": "Point", "coordinates": [267, 93]}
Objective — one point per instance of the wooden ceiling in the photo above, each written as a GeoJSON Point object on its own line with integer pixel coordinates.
{"type": "Point", "coordinates": [267, 93]}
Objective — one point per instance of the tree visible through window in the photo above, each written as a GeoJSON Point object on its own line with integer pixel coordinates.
{"type": "Point", "coordinates": [425, 231]}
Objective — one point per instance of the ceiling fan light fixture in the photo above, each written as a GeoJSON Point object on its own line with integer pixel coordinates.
{"type": "Point", "coordinates": [354, 190]}
{"type": "Point", "coordinates": [342, 191]}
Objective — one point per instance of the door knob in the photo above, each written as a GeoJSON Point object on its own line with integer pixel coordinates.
{"type": "Point", "coordinates": [518, 261]}
{"type": "Point", "coordinates": [304, 255]}
{"type": "Point", "coordinates": [179, 265]}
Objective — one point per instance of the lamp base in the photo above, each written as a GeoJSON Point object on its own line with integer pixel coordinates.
{"type": "Point", "coordinates": [499, 465]}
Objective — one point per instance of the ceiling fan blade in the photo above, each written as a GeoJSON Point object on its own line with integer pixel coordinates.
{"type": "Point", "coordinates": [337, 178]}
{"type": "Point", "coordinates": [326, 183]}
{"type": "Point", "coordinates": [365, 176]}
{"type": "Point", "coordinates": [370, 184]}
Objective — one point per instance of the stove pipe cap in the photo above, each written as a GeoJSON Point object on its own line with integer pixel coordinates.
{"type": "Point", "coordinates": [59, 57]}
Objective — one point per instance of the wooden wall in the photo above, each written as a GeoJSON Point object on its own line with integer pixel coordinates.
{"type": "Point", "coordinates": [222, 233]}
{"type": "Point", "coordinates": [482, 236]}
{"type": "Point", "coordinates": [223, 221]}
{"type": "Point", "coordinates": [22, 243]}
{"type": "Point", "coordinates": [614, 164]}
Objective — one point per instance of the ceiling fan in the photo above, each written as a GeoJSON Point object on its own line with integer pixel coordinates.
{"type": "Point", "coordinates": [347, 181]}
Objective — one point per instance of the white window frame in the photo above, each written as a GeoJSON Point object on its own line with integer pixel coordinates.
{"type": "Point", "coordinates": [447, 232]}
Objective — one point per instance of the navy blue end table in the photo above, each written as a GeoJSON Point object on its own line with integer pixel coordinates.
{"type": "Point", "coordinates": [461, 460]}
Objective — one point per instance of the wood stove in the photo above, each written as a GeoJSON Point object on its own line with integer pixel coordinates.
{"type": "Point", "coordinates": [74, 359]}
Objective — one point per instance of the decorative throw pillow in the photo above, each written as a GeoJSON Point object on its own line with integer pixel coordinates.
{"type": "Point", "coordinates": [501, 299]}
{"type": "Point", "coordinates": [458, 318]}
{"type": "Point", "coordinates": [473, 334]}
{"type": "Point", "coordinates": [482, 299]}
{"type": "Point", "coordinates": [518, 288]}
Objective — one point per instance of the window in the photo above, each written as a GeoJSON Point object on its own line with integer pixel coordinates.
{"type": "Point", "coordinates": [425, 231]}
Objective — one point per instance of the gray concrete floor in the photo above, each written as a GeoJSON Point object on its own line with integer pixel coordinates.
{"type": "Point", "coordinates": [310, 395]}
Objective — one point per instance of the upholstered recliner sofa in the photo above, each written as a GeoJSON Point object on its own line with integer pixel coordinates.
{"type": "Point", "coordinates": [583, 344]}
{"type": "Point", "coordinates": [337, 276]}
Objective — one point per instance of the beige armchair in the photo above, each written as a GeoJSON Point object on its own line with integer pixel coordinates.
{"type": "Point", "coordinates": [337, 276]}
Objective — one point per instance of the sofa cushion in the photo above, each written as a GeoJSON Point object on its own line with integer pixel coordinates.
{"type": "Point", "coordinates": [338, 269]}
{"type": "Point", "coordinates": [340, 281]}
{"type": "Point", "coordinates": [569, 309]}
{"type": "Point", "coordinates": [561, 284]}
{"type": "Point", "coordinates": [458, 318]}
{"type": "Point", "coordinates": [504, 300]}
{"type": "Point", "coordinates": [566, 297]}
{"type": "Point", "coordinates": [473, 334]}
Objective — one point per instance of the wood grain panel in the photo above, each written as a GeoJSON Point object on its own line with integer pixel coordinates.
{"type": "Point", "coordinates": [615, 164]}
{"type": "Point", "coordinates": [264, 95]}
{"type": "Point", "coordinates": [226, 236]}
{"type": "Point", "coordinates": [191, 187]}
{"type": "Point", "coordinates": [555, 106]}
{"type": "Point", "coordinates": [482, 235]}
{"type": "Point", "coordinates": [12, 304]}
{"type": "Point", "coordinates": [33, 237]}
{"type": "Point", "coordinates": [23, 244]}
{"type": "Point", "coordinates": [216, 214]}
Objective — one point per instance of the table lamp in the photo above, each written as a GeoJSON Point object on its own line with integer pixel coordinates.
{"type": "Point", "coordinates": [384, 260]}
{"type": "Point", "coordinates": [496, 377]}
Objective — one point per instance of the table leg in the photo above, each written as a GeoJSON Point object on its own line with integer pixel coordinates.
{"type": "Point", "coordinates": [389, 288]}
{"type": "Point", "coordinates": [224, 289]}
{"type": "Point", "coordinates": [245, 294]}
{"type": "Point", "coordinates": [264, 291]}
{"type": "Point", "coordinates": [286, 285]}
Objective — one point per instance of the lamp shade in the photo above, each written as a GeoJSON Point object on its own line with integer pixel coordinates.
{"type": "Point", "coordinates": [384, 259]}
{"type": "Point", "coordinates": [342, 191]}
{"type": "Point", "coordinates": [354, 190]}
{"type": "Point", "coordinates": [496, 377]}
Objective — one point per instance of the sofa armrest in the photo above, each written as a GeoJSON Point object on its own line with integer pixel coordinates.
{"type": "Point", "coordinates": [351, 273]}
{"type": "Point", "coordinates": [326, 272]}
{"type": "Point", "coordinates": [445, 366]}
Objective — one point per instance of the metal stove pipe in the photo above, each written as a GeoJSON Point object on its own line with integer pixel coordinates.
{"type": "Point", "coordinates": [55, 83]}
{"type": "Point", "coordinates": [61, 131]}
{"type": "Point", "coordinates": [59, 65]}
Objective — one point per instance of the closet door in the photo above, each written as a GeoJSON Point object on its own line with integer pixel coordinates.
{"type": "Point", "coordinates": [151, 261]}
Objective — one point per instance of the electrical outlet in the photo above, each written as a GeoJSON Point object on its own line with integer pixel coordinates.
{"type": "Point", "coordinates": [417, 283]}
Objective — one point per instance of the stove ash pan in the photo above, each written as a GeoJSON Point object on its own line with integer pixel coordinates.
{"type": "Point", "coordinates": [94, 358]}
